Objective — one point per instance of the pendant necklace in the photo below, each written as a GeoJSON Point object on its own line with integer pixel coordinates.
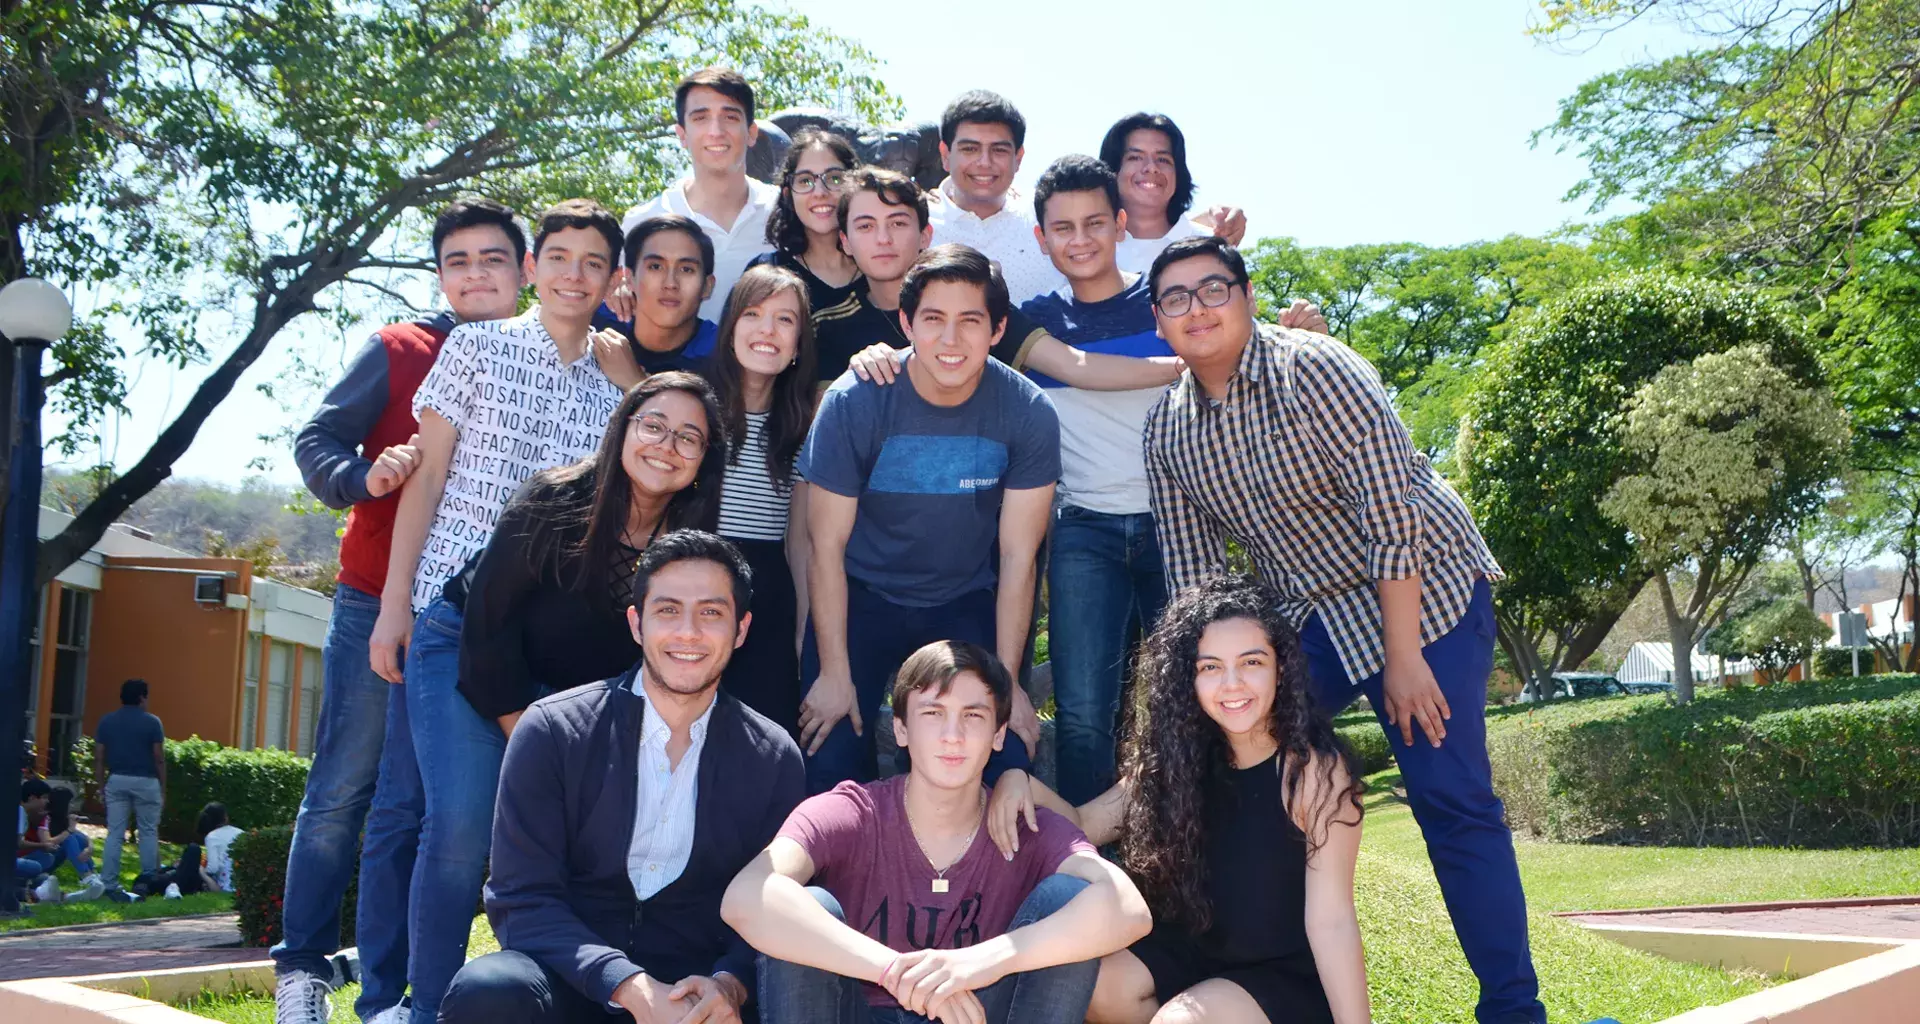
{"type": "Point", "coordinates": [940, 876]}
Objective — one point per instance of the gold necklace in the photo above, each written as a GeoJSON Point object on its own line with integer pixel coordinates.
{"type": "Point", "coordinates": [940, 875]}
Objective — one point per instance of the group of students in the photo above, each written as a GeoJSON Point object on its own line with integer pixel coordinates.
{"type": "Point", "coordinates": [629, 575]}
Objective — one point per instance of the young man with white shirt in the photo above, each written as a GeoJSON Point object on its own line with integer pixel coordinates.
{"type": "Point", "coordinates": [982, 141]}
{"type": "Point", "coordinates": [1149, 154]}
{"type": "Point", "coordinates": [505, 399]}
{"type": "Point", "coordinates": [625, 810]}
{"type": "Point", "coordinates": [713, 118]}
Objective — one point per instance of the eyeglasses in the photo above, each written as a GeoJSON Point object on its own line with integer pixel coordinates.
{"type": "Point", "coordinates": [804, 182]}
{"type": "Point", "coordinates": [1212, 293]}
{"type": "Point", "coordinates": [686, 442]}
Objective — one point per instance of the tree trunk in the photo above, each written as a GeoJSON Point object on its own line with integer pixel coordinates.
{"type": "Point", "coordinates": [1593, 632]}
{"type": "Point", "coordinates": [1680, 636]}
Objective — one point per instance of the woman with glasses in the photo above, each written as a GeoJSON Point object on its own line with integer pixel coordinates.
{"type": "Point", "coordinates": [546, 601]}
{"type": "Point", "coordinates": [804, 226]}
{"type": "Point", "coordinates": [762, 373]}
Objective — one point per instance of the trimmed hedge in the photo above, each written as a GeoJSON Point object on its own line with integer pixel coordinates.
{"type": "Point", "coordinates": [258, 787]}
{"type": "Point", "coordinates": [1831, 763]}
{"type": "Point", "coordinates": [260, 879]}
{"type": "Point", "coordinates": [1369, 744]}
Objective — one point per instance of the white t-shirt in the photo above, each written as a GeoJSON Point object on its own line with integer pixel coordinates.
{"type": "Point", "coordinates": [1136, 255]}
{"type": "Point", "coordinates": [518, 410]}
{"type": "Point", "coordinates": [219, 849]}
{"type": "Point", "coordinates": [733, 248]}
{"type": "Point", "coordinates": [1006, 238]}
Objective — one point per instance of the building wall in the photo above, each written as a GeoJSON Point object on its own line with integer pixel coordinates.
{"type": "Point", "coordinates": [147, 625]}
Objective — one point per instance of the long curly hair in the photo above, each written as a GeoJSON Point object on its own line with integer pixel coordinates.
{"type": "Point", "coordinates": [785, 232]}
{"type": "Point", "coordinates": [1173, 748]}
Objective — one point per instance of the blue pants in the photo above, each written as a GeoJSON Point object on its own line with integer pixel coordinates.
{"type": "Point", "coordinates": [1451, 790]}
{"type": "Point", "coordinates": [1103, 577]}
{"type": "Point", "coordinates": [792, 994]}
{"type": "Point", "coordinates": [346, 762]}
{"type": "Point", "coordinates": [448, 756]}
{"type": "Point", "coordinates": [880, 636]}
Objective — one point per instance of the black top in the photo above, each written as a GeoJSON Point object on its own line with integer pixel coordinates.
{"type": "Point", "coordinates": [820, 294]}
{"type": "Point", "coordinates": [558, 888]}
{"type": "Point", "coordinates": [529, 628]}
{"type": "Point", "coordinates": [845, 330]}
{"type": "Point", "coordinates": [1256, 868]}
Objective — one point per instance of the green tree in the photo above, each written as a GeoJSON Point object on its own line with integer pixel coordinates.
{"type": "Point", "coordinates": [1729, 452]}
{"type": "Point", "coordinates": [245, 166]}
{"type": "Point", "coordinates": [1784, 151]}
{"type": "Point", "coordinates": [1775, 636]}
{"type": "Point", "coordinates": [1542, 442]}
{"type": "Point", "coordinates": [1423, 315]}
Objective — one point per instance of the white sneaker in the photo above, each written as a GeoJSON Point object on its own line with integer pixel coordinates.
{"type": "Point", "coordinates": [48, 891]}
{"type": "Point", "coordinates": [399, 1013]}
{"type": "Point", "coordinates": [173, 891]}
{"type": "Point", "coordinates": [91, 888]}
{"type": "Point", "coordinates": [302, 998]}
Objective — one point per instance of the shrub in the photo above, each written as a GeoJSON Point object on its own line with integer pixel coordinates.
{"type": "Point", "coordinates": [1837, 662]}
{"type": "Point", "coordinates": [258, 787]}
{"type": "Point", "coordinates": [1369, 744]}
{"type": "Point", "coordinates": [1834, 763]}
{"type": "Point", "coordinates": [260, 879]}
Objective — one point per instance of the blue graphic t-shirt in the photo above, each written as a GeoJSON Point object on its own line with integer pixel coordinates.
{"type": "Point", "coordinates": [929, 478]}
{"type": "Point", "coordinates": [1101, 461]}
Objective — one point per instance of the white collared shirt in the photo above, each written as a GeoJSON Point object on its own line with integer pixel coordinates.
{"type": "Point", "coordinates": [1006, 238]}
{"type": "Point", "coordinates": [663, 809]}
{"type": "Point", "coordinates": [733, 248]}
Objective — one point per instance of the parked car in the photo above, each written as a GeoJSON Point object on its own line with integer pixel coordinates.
{"type": "Point", "coordinates": [1574, 686]}
{"type": "Point", "coordinates": [1649, 686]}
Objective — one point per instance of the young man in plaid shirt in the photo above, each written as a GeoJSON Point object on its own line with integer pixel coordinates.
{"type": "Point", "coordinates": [1287, 442]}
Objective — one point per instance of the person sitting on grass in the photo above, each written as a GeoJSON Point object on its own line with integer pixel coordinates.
{"type": "Point", "coordinates": [1238, 812]}
{"type": "Point", "coordinates": [39, 843]}
{"type": "Point", "coordinates": [884, 901]}
{"type": "Point", "coordinates": [219, 834]}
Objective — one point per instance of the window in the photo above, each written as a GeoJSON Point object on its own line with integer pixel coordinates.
{"type": "Point", "coordinates": [250, 693]}
{"type": "Point", "coordinates": [279, 693]}
{"type": "Point", "coordinates": [64, 721]}
{"type": "Point", "coordinates": [312, 685]}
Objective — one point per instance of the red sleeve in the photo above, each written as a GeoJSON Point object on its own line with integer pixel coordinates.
{"type": "Point", "coordinates": [830, 826]}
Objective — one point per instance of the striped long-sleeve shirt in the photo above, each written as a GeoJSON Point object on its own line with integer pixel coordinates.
{"type": "Point", "coordinates": [1306, 466]}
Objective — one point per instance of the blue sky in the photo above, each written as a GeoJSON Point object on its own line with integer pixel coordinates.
{"type": "Point", "coordinates": [1334, 123]}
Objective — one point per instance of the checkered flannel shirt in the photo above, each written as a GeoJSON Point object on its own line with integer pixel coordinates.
{"type": "Point", "coordinates": [1307, 466]}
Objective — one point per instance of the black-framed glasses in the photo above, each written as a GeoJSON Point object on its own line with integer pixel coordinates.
{"type": "Point", "coordinates": [1212, 293]}
{"type": "Point", "coordinates": [686, 442]}
{"type": "Point", "coordinates": [804, 182]}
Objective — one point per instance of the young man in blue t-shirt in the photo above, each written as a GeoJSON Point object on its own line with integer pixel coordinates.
{"type": "Point", "coordinates": [914, 490]}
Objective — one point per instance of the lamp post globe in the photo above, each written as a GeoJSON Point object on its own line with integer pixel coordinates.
{"type": "Point", "coordinates": [32, 309]}
{"type": "Point", "coordinates": [33, 315]}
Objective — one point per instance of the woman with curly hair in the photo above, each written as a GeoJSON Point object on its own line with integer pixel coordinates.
{"type": "Point", "coordinates": [1238, 815]}
{"type": "Point", "coordinates": [804, 225]}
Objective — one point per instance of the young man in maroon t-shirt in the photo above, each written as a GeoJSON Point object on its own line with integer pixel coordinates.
{"type": "Point", "coordinates": [890, 899]}
{"type": "Point", "coordinates": [356, 453]}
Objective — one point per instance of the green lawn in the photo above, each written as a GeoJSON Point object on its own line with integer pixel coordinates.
{"type": "Point", "coordinates": [61, 915]}
{"type": "Point", "coordinates": [1417, 973]}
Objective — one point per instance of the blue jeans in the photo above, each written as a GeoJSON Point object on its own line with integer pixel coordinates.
{"type": "Point", "coordinates": [880, 636]}
{"type": "Point", "coordinates": [792, 994]}
{"type": "Point", "coordinates": [75, 849]}
{"type": "Point", "coordinates": [457, 754]}
{"type": "Point", "coordinates": [1104, 576]}
{"type": "Point", "coordinates": [346, 762]}
{"type": "Point", "coordinates": [1451, 791]}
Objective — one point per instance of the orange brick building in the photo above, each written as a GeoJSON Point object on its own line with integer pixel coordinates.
{"type": "Point", "coordinates": [230, 656]}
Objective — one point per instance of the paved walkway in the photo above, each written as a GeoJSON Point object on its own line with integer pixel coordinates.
{"type": "Point", "coordinates": [1893, 918]}
{"type": "Point", "coordinates": [123, 947]}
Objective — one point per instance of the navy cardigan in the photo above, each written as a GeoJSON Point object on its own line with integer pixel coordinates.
{"type": "Point", "coordinates": [559, 890]}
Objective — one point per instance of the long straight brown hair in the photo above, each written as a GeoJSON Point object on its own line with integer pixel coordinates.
{"type": "Point", "coordinates": [584, 505]}
{"type": "Point", "coordinates": [793, 389]}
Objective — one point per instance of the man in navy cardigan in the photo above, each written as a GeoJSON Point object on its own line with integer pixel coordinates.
{"type": "Point", "coordinates": [625, 809]}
